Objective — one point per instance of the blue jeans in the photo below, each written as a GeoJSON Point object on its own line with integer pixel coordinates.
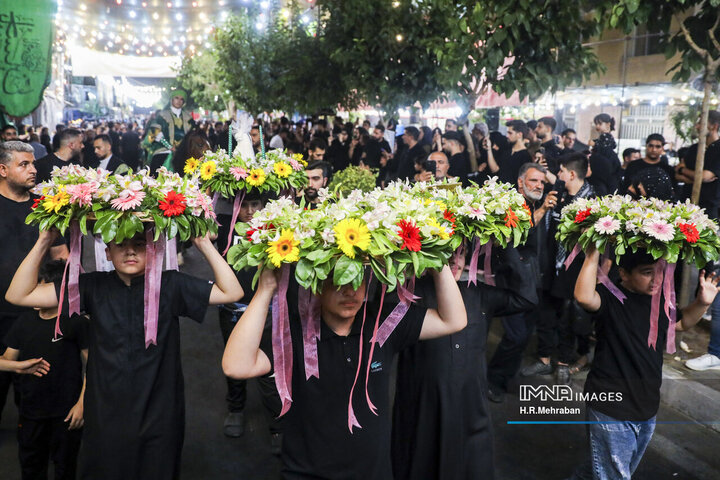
{"type": "Point", "coordinates": [616, 447]}
{"type": "Point", "coordinates": [714, 346]}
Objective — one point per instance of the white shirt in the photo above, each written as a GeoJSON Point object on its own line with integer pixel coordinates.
{"type": "Point", "coordinates": [176, 111]}
{"type": "Point", "coordinates": [276, 142]}
{"type": "Point", "coordinates": [105, 162]}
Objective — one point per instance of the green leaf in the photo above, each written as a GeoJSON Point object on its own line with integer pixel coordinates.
{"type": "Point", "coordinates": [346, 269]}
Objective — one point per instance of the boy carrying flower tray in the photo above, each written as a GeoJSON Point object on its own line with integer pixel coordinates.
{"type": "Point", "coordinates": [134, 379]}
{"type": "Point", "coordinates": [318, 359]}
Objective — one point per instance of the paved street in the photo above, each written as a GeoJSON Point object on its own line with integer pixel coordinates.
{"type": "Point", "coordinates": [679, 450]}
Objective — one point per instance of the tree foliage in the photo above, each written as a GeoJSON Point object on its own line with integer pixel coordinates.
{"type": "Point", "coordinates": [199, 75]}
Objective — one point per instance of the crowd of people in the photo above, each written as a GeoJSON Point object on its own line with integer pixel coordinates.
{"type": "Point", "coordinates": [128, 400]}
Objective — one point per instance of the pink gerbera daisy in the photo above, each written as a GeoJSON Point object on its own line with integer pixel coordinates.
{"type": "Point", "coordinates": [660, 230]}
{"type": "Point", "coordinates": [81, 193]}
{"type": "Point", "coordinates": [127, 200]}
{"type": "Point", "coordinates": [295, 165]}
{"type": "Point", "coordinates": [607, 225]}
{"type": "Point", "coordinates": [239, 173]}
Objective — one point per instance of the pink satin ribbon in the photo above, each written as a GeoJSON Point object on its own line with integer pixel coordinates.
{"type": "Point", "coordinates": [655, 303]}
{"type": "Point", "coordinates": [371, 405]}
{"type": "Point", "coordinates": [487, 264]}
{"type": "Point", "coordinates": [456, 258]}
{"type": "Point", "coordinates": [664, 285]}
{"type": "Point", "coordinates": [215, 198]}
{"type": "Point", "coordinates": [171, 262]}
{"type": "Point", "coordinates": [603, 278]}
{"type": "Point", "coordinates": [570, 258]}
{"type": "Point", "coordinates": [309, 307]}
{"type": "Point", "coordinates": [406, 296]}
{"type": "Point", "coordinates": [71, 276]}
{"type": "Point", "coordinates": [352, 419]}
{"type": "Point", "coordinates": [235, 213]}
{"type": "Point", "coordinates": [154, 253]}
{"type": "Point", "coordinates": [472, 269]}
{"type": "Point", "coordinates": [281, 341]}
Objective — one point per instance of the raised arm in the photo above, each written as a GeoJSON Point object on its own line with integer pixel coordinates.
{"type": "Point", "coordinates": [227, 289]}
{"type": "Point", "coordinates": [450, 316]}
{"type": "Point", "coordinates": [492, 164]}
{"type": "Point", "coordinates": [243, 357]}
{"type": "Point", "coordinates": [707, 289]}
{"type": "Point", "coordinates": [585, 293]}
{"type": "Point", "coordinates": [24, 290]}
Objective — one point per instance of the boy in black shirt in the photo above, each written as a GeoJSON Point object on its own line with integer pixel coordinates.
{"type": "Point", "coordinates": [51, 408]}
{"type": "Point", "coordinates": [317, 443]}
{"type": "Point", "coordinates": [624, 381]}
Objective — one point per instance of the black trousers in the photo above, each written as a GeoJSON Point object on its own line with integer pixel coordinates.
{"type": "Point", "coordinates": [48, 439]}
{"type": "Point", "coordinates": [507, 358]}
{"type": "Point", "coordinates": [236, 389]}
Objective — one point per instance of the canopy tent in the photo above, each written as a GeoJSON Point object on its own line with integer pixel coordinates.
{"type": "Point", "coordinates": [90, 63]}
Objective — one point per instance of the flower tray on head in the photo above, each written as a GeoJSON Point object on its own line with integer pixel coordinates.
{"type": "Point", "coordinates": [399, 234]}
{"type": "Point", "coordinates": [667, 231]}
{"type": "Point", "coordinates": [233, 176]}
{"type": "Point", "coordinates": [492, 213]}
{"type": "Point", "coordinates": [121, 207]}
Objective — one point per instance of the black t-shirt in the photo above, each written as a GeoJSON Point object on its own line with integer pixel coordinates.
{"type": "Point", "coordinates": [624, 363]}
{"type": "Point", "coordinates": [510, 167]}
{"type": "Point", "coordinates": [54, 394]}
{"type": "Point", "coordinates": [459, 166]}
{"type": "Point", "coordinates": [373, 152]}
{"type": "Point", "coordinates": [606, 172]}
{"type": "Point", "coordinates": [45, 165]}
{"type": "Point", "coordinates": [316, 441]}
{"type": "Point", "coordinates": [16, 239]}
{"type": "Point", "coordinates": [710, 191]}
{"type": "Point", "coordinates": [637, 166]}
{"type": "Point", "coordinates": [552, 153]}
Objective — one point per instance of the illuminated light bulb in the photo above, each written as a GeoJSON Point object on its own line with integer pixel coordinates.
{"type": "Point", "coordinates": [399, 37]}
{"type": "Point", "coordinates": [132, 14]}
{"type": "Point", "coordinates": [83, 7]}
{"type": "Point", "coordinates": [684, 98]}
{"type": "Point", "coordinates": [155, 16]}
{"type": "Point", "coordinates": [692, 102]}
{"type": "Point", "coordinates": [178, 16]}
{"type": "Point", "coordinates": [671, 102]}
{"type": "Point", "coordinates": [714, 101]}
{"type": "Point", "coordinates": [169, 4]}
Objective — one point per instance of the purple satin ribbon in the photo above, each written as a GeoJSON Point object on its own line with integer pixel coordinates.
{"type": "Point", "coordinates": [602, 276]}
{"type": "Point", "coordinates": [71, 276]}
{"type": "Point", "coordinates": [570, 258]}
{"type": "Point", "coordinates": [352, 419]}
{"type": "Point", "coordinates": [171, 262]}
{"type": "Point", "coordinates": [235, 213]}
{"type": "Point", "coordinates": [309, 307]}
{"type": "Point", "coordinates": [371, 405]}
{"type": "Point", "coordinates": [281, 341]}
{"type": "Point", "coordinates": [655, 303]}
{"type": "Point", "coordinates": [459, 252]}
{"type": "Point", "coordinates": [154, 253]}
{"type": "Point", "coordinates": [406, 298]}
{"type": "Point", "coordinates": [670, 305]}
{"type": "Point", "coordinates": [487, 264]}
{"type": "Point", "coordinates": [215, 198]}
{"type": "Point", "coordinates": [472, 269]}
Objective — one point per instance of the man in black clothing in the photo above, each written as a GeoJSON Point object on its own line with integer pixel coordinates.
{"type": "Point", "coordinates": [374, 149]}
{"type": "Point", "coordinates": [17, 177]}
{"type": "Point", "coordinates": [459, 163]}
{"type": "Point", "coordinates": [412, 155]}
{"type": "Point", "coordinates": [130, 146]}
{"type": "Point", "coordinates": [510, 167]}
{"type": "Point", "coordinates": [710, 191]}
{"type": "Point", "coordinates": [629, 155]}
{"type": "Point", "coordinates": [625, 367]}
{"type": "Point", "coordinates": [317, 443]}
{"type": "Point", "coordinates": [544, 132]}
{"type": "Point", "coordinates": [105, 158]}
{"type": "Point", "coordinates": [69, 147]}
{"type": "Point", "coordinates": [316, 150]}
{"type": "Point", "coordinates": [318, 173]}
{"type": "Point", "coordinates": [337, 154]}
{"type": "Point", "coordinates": [568, 138]}
{"type": "Point", "coordinates": [653, 158]}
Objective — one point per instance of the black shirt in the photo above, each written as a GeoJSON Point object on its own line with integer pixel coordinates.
{"type": "Point", "coordinates": [552, 154]}
{"type": "Point", "coordinates": [459, 166]}
{"type": "Point", "coordinates": [405, 166]}
{"type": "Point", "coordinates": [623, 361]}
{"type": "Point", "coordinates": [710, 191]}
{"type": "Point", "coordinates": [316, 441]}
{"type": "Point", "coordinates": [338, 156]}
{"type": "Point", "coordinates": [638, 165]}
{"type": "Point", "coordinates": [54, 394]}
{"type": "Point", "coordinates": [373, 152]}
{"type": "Point", "coordinates": [606, 172]}
{"type": "Point", "coordinates": [45, 165]}
{"type": "Point", "coordinates": [510, 167]}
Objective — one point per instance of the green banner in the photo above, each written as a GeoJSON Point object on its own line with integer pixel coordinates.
{"type": "Point", "coordinates": [26, 37]}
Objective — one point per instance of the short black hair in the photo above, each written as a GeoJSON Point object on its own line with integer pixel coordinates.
{"type": "Point", "coordinates": [7, 127]}
{"type": "Point", "coordinates": [531, 124]}
{"type": "Point", "coordinates": [380, 127]}
{"type": "Point", "coordinates": [713, 117]}
{"type": "Point", "coordinates": [104, 137]}
{"type": "Point", "coordinates": [567, 132]}
{"type": "Point", "coordinates": [550, 122]}
{"type": "Point", "coordinates": [67, 134]}
{"type": "Point", "coordinates": [320, 165]}
{"type": "Point", "coordinates": [317, 143]}
{"type": "Point", "coordinates": [629, 151]}
{"type": "Point", "coordinates": [575, 161]}
{"type": "Point", "coordinates": [413, 132]}
{"type": "Point", "coordinates": [518, 126]}
{"type": "Point", "coordinates": [51, 271]}
{"type": "Point", "coordinates": [631, 260]}
{"type": "Point", "coordinates": [656, 137]}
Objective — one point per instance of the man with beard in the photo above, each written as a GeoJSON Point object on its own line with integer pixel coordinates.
{"type": "Point", "coordinates": [654, 146]}
{"type": "Point", "coordinates": [568, 138]}
{"type": "Point", "coordinates": [375, 147]}
{"type": "Point", "coordinates": [518, 328]}
{"type": "Point", "coordinates": [337, 154]}
{"type": "Point", "coordinates": [318, 173]}
{"type": "Point", "coordinates": [70, 143]}
{"type": "Point", "coordinates": [17, 177]}
{"type": "Point", "coordinates": [508, 170]}
{"type": "Point", "coordinates": [544, 132]}
{"type": "Point", "coordinates": [459, 162]}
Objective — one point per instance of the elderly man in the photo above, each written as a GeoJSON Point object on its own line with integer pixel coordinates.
{"type": "Point", "coordinates": [442, 165]}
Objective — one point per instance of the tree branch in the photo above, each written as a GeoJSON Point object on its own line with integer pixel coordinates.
{"type": "Point", "coordinates": [714, 38]}
{"type": "Point", "coordinates": [688, 38]}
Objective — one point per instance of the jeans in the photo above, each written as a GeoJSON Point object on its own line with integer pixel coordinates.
{"type": "Point", "coordinates": [616, 447]}
{"type": "Point", "coordinates": [714, 346]}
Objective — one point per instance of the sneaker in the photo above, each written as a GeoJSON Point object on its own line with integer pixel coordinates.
{"type": "Point", "coordinates": [562, 375]}
{"type": "Point", "coordinates": [704, 362]}
{"type": "Point", "coordinates": [234, 424]}
{"type": "Point", "coordinates": [536, 368]}
{"type": "Point", "coordinates": [495, 393]}
{"type": "Point", "coordinates": [276, 443]}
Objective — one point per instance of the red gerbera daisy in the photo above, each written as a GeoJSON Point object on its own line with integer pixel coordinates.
{"type": "Point", "coordinates": [410, 235]}
{"type": "Point", "coordinates": [511, 219]}
{"type": "Point", "coordinates": [690, 231]}
{"type": "Point", "coordinates": [448, 215]}
{"type": "Point", "coordinates": [581, 215]}
{"type": "Point", "coordinates": [174, 204]}
{"type": "Point", "coordinates": [37, 202]}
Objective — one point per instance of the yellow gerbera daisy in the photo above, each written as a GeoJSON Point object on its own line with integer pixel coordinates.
{"type": "Point", "coordinates": [54, 203]}
{"type": "Point", "coordinates": [208, 169]}
{"type": "Point", "coordinates": [351, 233]}
{"type": "Point", "coordinates": [439, 230]}
{"type": "Point", "coordinates": [282, 169]}
{"type": "Point", "coordinates": [191, 165]}
{"type": "Point", "coordinates": [256, 177]}
{"type": "Point", "coordinates": [299, 158]}
{"type": "Point", "coordinates": [284, 249]}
